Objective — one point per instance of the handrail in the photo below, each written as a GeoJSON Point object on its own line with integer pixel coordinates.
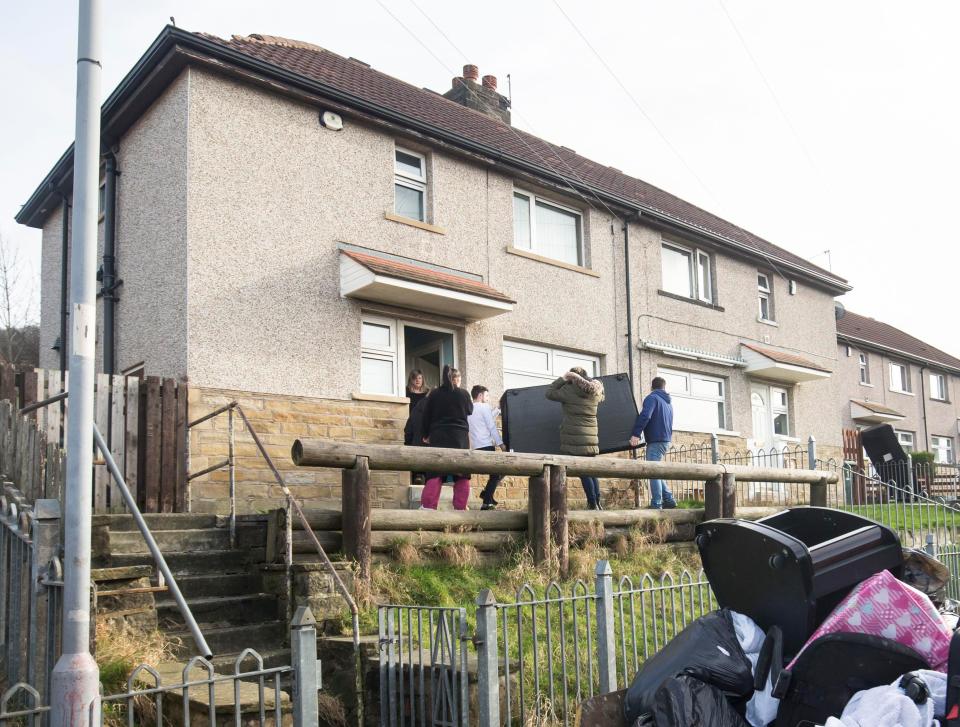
{"type": "Point", "coordinates": [328, 453]}
{"type": "Point", "coordinates": [45, 402]}
{"type": "Point", "coordinates": [291, 501]}
{"type": "Point", "coordinates": [152, 545]}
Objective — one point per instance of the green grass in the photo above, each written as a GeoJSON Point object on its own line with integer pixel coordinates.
{"type": "Point", "coordinates": [904, 516]}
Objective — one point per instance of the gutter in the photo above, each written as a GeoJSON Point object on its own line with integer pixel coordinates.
{"type": "Point", "coordinates": [172, 38]}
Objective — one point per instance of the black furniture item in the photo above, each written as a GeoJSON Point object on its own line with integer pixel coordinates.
{"type": "Point", "coordinates": [834, 668]}
{"type": "Point", "coordinates": [531, 422]}
{"type": "Point", "coordinates": [889, 460]}
{"type": "Point", "coordinates": [952, 717]}
{"type": "Point", "coordinates": [791, 569]}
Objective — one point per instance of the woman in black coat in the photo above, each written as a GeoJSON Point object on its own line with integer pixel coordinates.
{"type": "Point", "coordinates": [445, 414]}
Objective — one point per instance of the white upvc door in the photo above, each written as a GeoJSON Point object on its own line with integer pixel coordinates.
{"type": "Point", "coordinates": [762, 422]}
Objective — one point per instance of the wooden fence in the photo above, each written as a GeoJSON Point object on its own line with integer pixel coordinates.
{"type": "Point", "coordinates": [143, 420]}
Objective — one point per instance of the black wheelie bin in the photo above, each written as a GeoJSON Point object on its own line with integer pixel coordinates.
{"type": "Point", "coordinates": [791, 569]}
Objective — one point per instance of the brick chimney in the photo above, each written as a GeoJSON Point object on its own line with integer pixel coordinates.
{"type": "Point", "coordinates": [482, 97]}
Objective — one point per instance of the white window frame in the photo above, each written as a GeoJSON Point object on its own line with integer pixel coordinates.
{"type": "Point", "coordinates": [689, 376]}
{"type": "Point", "coordinates": [405, 179]}
{"type": "Point", "coordinates": [693, 272]}
{"type": "Point", "coordinates": [943, 447]}
{"type": "Point", "coordinates": [396, 353]}
{"type": "Point", "coordinates": [908, 440]}
{"type": "Point", "coordinates": [776, 409]}
{"type": "Point", "coordinates": [905, 378]}
{"type": "Point", "coordinates": [940, 388]}
{"type": "Point", "coordinates": [765, 293]}
{"type": "Point", "coordinates": [554, 368]}
{"type": "Point", "coordinates": [534, 200]}
{"type": "Point", "coordinates": [864, 363]}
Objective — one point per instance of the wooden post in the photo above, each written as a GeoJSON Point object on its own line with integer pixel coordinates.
{"type": "Point", "coordinates": [356, 516]}
{"type": "Point", "coordinates": [713, 499]}
{"type": "Point", "coordinates": [728, 496]}
{"type": "Point", "coordinates": [818, 494]}
{"type": "Point", "coordinates": [559, 526]}
{"type": "Point", "coordinates": [538, 516]}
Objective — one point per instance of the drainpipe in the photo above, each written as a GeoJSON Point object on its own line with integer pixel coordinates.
{"type": "Point", "coordinates": [64, 262]}
{"type": "Point", "coordinates": [626, 263]}
{"type": "Point", "coordinates": [109, 283]}
{"type": "Point", "coordinates": [923, 403]}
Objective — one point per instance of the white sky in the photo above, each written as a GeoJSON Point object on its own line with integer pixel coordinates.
{"type": "Point", "coordinates": [861, 161]}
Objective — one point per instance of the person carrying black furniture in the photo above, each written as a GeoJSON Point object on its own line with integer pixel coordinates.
{"type": "Point", "coordinates": [580, 396]}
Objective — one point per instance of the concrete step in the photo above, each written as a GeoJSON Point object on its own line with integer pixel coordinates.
{"type": "Point", "coordinates": [262, 637]}
{"type": "Point", "coordinates": [197, 541]}
{"type": "Point", "coordinates": [160, 521]}
{"type": "Point", "coordinates": [191, 563]}
{"type": "Point", "coordinates": [226, 663]}
{"type": "Point", "coordinates": [218, 584]}
{"type": "Point", "coordinates": [217, 611]}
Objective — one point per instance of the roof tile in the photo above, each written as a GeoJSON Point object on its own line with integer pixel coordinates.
{"type": "Point", "coordinates": [427, 107]}
{"type": "Point", "coordinates": [885, 335]}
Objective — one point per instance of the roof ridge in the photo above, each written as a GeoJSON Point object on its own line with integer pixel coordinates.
{"type": "Point", "coordinates": [931, 348]}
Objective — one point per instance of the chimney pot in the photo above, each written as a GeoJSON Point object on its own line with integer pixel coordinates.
{"type": "Point", "coordinates": [471, 72]}
{"type": "Point", "coordinates": [490, 82]}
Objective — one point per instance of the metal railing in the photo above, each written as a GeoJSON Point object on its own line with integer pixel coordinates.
{"type": "Point", "coordinates": [30, 586]}
{"type": "Point", "coordinates": [539, 655]}
{"type": "Point", "coordinates": [251, 693]}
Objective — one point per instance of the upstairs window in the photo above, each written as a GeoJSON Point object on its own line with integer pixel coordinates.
{"type": "Point", "coordinates": [938, 387]}
{"type": "Point", "coordinates": [900, 378]}
{"type": "Point", "coordinates": [764, 297]}
{"type": "Point", "coordinates": [547, 228]}
{"type": "Point", "coordinates": [686, 272]}
{"type": "Point", "coordinates": [864, 369]}
{"type": "Point", "coordinates": [410, 185]}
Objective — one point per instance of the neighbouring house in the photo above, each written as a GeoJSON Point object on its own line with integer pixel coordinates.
{"type": "Point", "coordinates": [885, 375]}
{"type": "Point", "coordinates": [299, 230]}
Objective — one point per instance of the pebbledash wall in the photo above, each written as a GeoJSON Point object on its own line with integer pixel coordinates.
{"type": "Point", "coordinates": [231, 204]}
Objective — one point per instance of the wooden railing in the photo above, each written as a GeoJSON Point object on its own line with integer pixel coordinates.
{"type": "Point", "coordinates": [547, 512]}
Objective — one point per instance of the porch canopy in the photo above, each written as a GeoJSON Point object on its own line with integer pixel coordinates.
{"type": "Point", "coordinates": [870, 412]}
{"type": "Point", "coordinates": [389, 279]}
{"type": "Point", "coordinates": [787, 368]}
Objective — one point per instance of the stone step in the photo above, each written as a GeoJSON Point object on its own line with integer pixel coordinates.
{"type": "Point", "coordinates": [263, 636]}
{"type": "Point", "coordinates": [218, 611]}
{"type": "Point", "coordinates": [197, 541]}
{"type": "Point", "coordinates": [219, 584]}
{"type": "Point", "coordinates": [191, 563]}
{"type": "Point", "coordinates": [160, 521]}
{"type": "Point", "coordinates": [226, 663]}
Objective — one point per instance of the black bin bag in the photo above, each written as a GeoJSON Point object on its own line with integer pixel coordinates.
{"type": "Point", "coordinates": [684, 701]}
{"type": "Point", "coordinates": [707, 650]}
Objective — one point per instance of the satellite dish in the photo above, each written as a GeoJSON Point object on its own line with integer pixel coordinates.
{"type": "Point", "coordinates": [331, 120]}
{"type": "Point", "coordinates": [838, 310]}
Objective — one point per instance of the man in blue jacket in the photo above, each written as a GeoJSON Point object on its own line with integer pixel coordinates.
{"type": "Point", "coordinates": [655, 423]}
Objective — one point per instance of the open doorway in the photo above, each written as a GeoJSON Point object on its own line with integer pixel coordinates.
{"type": "Point", "coordinates": [427, 349]}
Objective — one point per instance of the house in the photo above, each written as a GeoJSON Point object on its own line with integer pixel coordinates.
{"type": "Point", "coordinates": [299, 229]}
{"type": "Point", "coordinates": [885, 375]}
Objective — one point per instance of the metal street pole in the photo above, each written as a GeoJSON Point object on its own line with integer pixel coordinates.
{"type": "Point", "coordinates": [75, 697]}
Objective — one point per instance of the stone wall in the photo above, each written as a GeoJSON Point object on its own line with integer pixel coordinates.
{"type": "Point", "coordinates": [280, 419]}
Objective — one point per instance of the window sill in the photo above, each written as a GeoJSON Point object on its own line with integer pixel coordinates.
{"type": "Point", "coordinates": [766, 322]}
{"type": "Point", "coordinates": [905, 393]}
{"type": "Point", "coordinates": [550, 261]}
{"type": "Point", "coordinates": [694, 301]}
{"type": "Point", "coordinates": [414, 223]}
{"type": "Point", "coordinates": [865, 384]}
{"type": "Point", "coordinates": [384, 398]}
{"type": "Point", "coordinates": [718, 432]}
{"type": "Point", "coordinates": [788, 440]}
{"type": "Point", "coordinates": [941, 401]}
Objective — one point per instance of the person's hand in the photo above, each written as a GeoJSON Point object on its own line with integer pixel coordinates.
{"type": "Point", "coordinates": [569, 376]}
{"type": "Point", "coordinates": [426, 440]}
{"type": "Point", "coordinates": [634, 442]}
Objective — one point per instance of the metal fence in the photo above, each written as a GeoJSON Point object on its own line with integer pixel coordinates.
{"type": "Point", "coordinates": [538, 655]}
{"type": "Point", "coordinates": [250, 694]}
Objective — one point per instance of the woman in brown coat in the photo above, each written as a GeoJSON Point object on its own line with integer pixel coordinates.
{"type": "Point", "coordinates": [580, 396]}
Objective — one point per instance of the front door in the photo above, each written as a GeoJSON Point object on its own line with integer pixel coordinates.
{"type": "Point", "coordinates": [762, 423]}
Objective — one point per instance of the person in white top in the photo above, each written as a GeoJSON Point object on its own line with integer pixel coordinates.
{"type": "Point", "coordinates": [484, 435]}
